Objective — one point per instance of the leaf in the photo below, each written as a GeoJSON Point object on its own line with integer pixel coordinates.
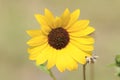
{"type": "Point", "coordinates": [44, 68]}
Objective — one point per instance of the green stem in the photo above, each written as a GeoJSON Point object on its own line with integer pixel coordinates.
{"type": "Point", "coordinates": [51, 75]}
{"type": "Point", "coordinates": [84, 72]}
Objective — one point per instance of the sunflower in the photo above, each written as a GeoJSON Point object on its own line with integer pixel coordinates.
{"type": "Point", "coordinates": [63, 41]}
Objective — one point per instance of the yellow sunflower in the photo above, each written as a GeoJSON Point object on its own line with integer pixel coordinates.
{"type": "Point", "coordinates": [62, 41]}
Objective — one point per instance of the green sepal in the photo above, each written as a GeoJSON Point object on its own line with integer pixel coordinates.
{"type": "Point", "coordinates": [43, 68]}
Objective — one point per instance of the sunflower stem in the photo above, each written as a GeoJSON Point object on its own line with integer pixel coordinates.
{"type": "Point", "coordinates": [92, 71]}
{"type": "Point", "coordinates": [84, 72]}
{"type": "Point", "coordinates": [51, 75]}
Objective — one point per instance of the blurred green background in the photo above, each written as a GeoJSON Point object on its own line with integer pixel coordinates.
{"type": "Point", "coordinates": [17, 16]}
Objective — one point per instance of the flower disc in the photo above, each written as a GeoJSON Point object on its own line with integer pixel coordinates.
{"type": "Point", "coordinates": [58, 38]}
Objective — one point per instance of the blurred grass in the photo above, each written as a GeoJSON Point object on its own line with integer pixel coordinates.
{"type": "Point", "coordinates": [18, 16]}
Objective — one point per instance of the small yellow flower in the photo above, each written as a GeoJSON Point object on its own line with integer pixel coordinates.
{"type": "Point", "coordinates": [62, 41]}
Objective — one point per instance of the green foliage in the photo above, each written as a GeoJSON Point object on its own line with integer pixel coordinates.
{"type": "Point", "coordinates": [119, 74]}
{"type": "Point", "coordinates": [117, 63]}
{"type": "Point", "coordinates": [117, 60]}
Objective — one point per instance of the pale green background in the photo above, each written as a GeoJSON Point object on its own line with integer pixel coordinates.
{"type": "Point", "coordinates": [17, 16]}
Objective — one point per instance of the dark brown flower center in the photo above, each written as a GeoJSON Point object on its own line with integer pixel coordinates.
{"type": "Point", "coordinates": [58, 38]}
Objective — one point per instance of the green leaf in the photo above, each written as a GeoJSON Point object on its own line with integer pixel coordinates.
{"type": "Point", "coordinates": [44, 68]}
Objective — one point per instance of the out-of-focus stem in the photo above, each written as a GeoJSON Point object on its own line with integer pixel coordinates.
{"type": "Point", "coordinates": [84, 72]}
{"type": "Point", "coordinates": [51, 75]}
{"type": "Point", "coordinates": [92, 71]}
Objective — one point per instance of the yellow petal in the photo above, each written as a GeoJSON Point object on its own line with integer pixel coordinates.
{"type": "Point", "coordinates": [34, 33]}
{"type": "Point", "coordinates": [34, 52]}
{"type": "Point", "coordinates": [71, 64]}
{"type": "Point", "coordinates": [58, 22]}
{"type": "Point", "coordinates": [45, 28]}
{"type": "Point", "coordinates": [73, 17]}
{"type": "Point", "coordinates": [84, 32]}
{"type": "Point", "coordinates": [83, 40]}
{"type": "Point", "coordinates": [37, 49]}
{"type": "Point", "coordinates": [65, 61]}
{"type": "Point", "coordinates": [43, 56]}
{"type": "Point", "coordinates": [49, 14]}
{"type": "Point", "coordinates": [65, 13]}
{"type": "Point", "coordinates": [41, 19]}
{"type": "Point", "coordinates": [52, 59]}
{"type": "Point", "coordinates": [78, 54]}
{"type": "Point", "coordinates": [49, 18]}
{"type": "Point", "coordinates": [60, 63]}
{"type": "Point", "coordinates": [78, 26]}
{"type": "Point", "coordinates": [65, 17]}
{"type": "Point", "coordinates": [82, 46]}
{"type": "Point", "coordinates": [88, 30]}
{"type": "Point", "coordinates": [61, 57]}
{"type": "Point", "coordinates": [79, 57]}
{"type": "Point", "coordinates": [36, 41]}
